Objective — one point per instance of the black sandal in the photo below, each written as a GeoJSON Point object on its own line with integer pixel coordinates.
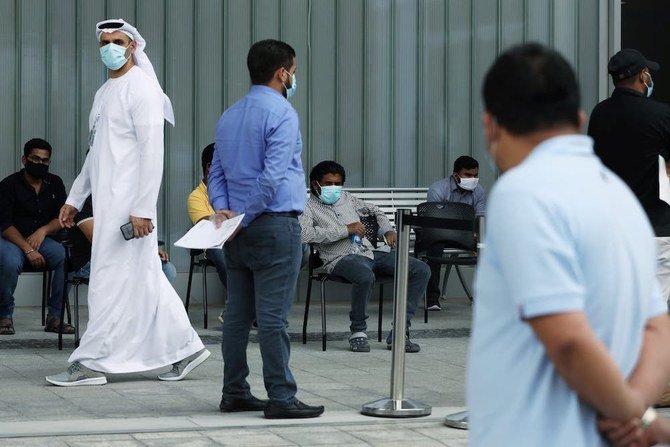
{"type": "Point", "coordinates": [53, 325]}
{"type": "Point", "coordinates": [7, 327]}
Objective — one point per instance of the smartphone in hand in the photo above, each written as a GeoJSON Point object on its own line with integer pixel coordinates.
{"type": "Point", "coordinates": [127, 231]}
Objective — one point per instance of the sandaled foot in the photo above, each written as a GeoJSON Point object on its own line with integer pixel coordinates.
{"type": "Point", "coordinates": [53, 325]}
{"type": "Point", "coordinates": [6, 326]}
{"type": "Point", "coordinates": [358, 342]}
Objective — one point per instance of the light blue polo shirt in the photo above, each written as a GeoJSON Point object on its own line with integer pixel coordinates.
{"type": "Point", "coordinates": [564, 234]}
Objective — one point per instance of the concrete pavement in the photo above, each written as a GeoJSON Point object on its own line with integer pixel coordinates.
{"type": "Point", "coordinates": [137, 409]}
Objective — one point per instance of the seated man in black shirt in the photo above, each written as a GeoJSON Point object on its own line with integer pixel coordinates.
{"type": "Point", "coordinates": [81, 236]}
{"type": "Point", "coordinates": [29, 204]}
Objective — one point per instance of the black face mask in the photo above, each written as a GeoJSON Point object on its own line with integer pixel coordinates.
{"type": "Point", "coordinates": [37, 170]}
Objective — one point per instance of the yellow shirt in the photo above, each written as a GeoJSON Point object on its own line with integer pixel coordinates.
{"type": "Point", "coordinates": [198, 203]}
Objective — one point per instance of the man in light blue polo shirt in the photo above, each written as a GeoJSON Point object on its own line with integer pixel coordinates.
{"type": "Point", "coordinates": [569, 320]}
{"type": "Point", "coordinates": [257, 170]}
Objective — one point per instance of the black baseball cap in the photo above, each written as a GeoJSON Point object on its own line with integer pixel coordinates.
{"type": "Point", "coordinates": [629, 62]}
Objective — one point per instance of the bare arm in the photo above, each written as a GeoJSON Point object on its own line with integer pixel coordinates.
{"type": "Point", "coordinates": [652, 372]}
{"type": "Point", "coordinates": [586, 366]}
{"type": "Point", "coordinates": [13, 236]}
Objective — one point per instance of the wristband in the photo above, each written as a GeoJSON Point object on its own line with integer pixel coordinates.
{"type": "Point", "coordinates": [31, 251]}
{"type": "Point", "coordinates": [648, 418]}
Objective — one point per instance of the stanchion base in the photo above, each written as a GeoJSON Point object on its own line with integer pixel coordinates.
{"type": "Point", "coordinates": [389, 408]}
{"type": "Point", "coordinates": [457, 420]}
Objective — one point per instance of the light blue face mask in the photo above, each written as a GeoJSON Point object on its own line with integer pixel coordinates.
{"type": "Point", "coordinates": [330, 194]}
{"type": "Point", "coordinates": [290, 91]}
{"type": "Point", "coordinates": [113, 56]}
{"type": "Point", "coordinates": [650, 87]}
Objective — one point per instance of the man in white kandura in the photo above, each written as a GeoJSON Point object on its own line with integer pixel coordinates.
{"type": "Point", "coordinates": [136, 320]}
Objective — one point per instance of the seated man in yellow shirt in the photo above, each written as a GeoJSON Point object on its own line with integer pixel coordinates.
{"type": "Point", "coordinates": [199, 208]}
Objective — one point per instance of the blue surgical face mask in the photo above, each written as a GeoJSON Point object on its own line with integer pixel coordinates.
{"type": "Point", "coordinates": [330, 194]}
{"type": "Point", "coordinates": [650, 87]}
{"type": "Point", "coordinates": [290, 91]}
{"type": "Point", "coordinates": [113, 56]}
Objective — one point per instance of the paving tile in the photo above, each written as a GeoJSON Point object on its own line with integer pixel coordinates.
{"type": "Point", "coordinates": [315, 436]}
{"type": "Point", "coordinates": [252, 440]}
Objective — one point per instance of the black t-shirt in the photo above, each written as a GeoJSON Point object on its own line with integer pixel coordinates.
{"type": "Point", "coordinates": [26, 210]}
{"type": "Point", "coordinates": [80, 253]}
{"type": "Point", "coordinates": [630, 131]}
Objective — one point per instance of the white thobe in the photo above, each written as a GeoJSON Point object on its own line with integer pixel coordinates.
{"type": "Point", "coordinates": [137, 322]}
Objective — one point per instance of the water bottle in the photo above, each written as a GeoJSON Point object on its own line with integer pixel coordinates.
{"type": "Point", "coordinates": [356, 244]}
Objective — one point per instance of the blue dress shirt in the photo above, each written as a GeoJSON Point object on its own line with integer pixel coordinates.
{"type": "Point", "coordinates": [256, 166]}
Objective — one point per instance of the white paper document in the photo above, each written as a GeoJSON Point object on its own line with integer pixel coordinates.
{"type": "Point", "coordinates": [205, 235]}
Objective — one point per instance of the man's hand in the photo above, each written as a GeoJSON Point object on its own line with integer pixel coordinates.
{"type": "Point", "coordinates": [141, 226]}
{"type": "Point", "coordinates": [356, 227]}
{"type": "Point", "coordinates": [628, 434]}
{"type": "Point", "coordinates": [163, 255]}
{"type": "Point", "coordinates": [36, 259]}
{"type": "Point", "coordinates": [222, 215]}
{"type": "Point", "coordinates": [35, 240]}
{"type": "Point", "coordinates": [66, 216]}
{"type": "Point", "coordinates": [391, 238]}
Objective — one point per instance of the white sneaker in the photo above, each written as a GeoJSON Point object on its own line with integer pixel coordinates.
{"type": "Point", "coordinates": [183, 367]}
{"type": "Point", "coordinates": [77, 375]}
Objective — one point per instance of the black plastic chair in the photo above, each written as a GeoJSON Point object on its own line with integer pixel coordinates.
{"type": "Point", "coordinates": [371, 233]}
{"type": "Point", "coordinates": [459, 245]}
{"type": "Point", "coordinates": [198, 259]}
{"type": "Point", "coordinates": [47, 276]}
{"type": "Point", "coordinates": [65, 304]}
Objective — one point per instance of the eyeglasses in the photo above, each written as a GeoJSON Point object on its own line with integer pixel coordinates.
{"type": "Point", "coordinates": [36, 159]}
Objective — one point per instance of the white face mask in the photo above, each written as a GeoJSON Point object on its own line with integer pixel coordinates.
{"type": "Point", "coordinates": [468, 184]}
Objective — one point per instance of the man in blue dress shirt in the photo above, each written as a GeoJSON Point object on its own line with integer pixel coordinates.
{"type": "Point", "coordinates": [257, 171]}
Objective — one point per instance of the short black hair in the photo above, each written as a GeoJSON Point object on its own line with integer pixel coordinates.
{"type": "Point", "coordinates": [36, 143]}
{"type": "Point", "coordinates": [323, 168]}
{"type": "Point", "coordinates": [531, 87]}
{"type": "Point", "coordinates": [465, 162]}
{"type": "Point", "coordinates": [207, 155]}
{"type": "Point", "coordinates": [265, 57]}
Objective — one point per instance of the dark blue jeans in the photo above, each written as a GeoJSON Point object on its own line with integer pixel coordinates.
{"type": "Point", "coordinates": [12, 260]}
{"type": "Point", "coordinates": [262, 265]}
{"type": "Point", "coordinates": [361, 271]}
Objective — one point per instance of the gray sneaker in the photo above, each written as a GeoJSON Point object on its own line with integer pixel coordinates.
{"type": "Point", "coordinates": [77, 375]}
{"type": "Point", "coordinates": [183, 367]}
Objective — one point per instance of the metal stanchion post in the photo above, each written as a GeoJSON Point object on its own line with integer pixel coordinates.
{"type": "Point", "coordinates": [397, 406]}
{"type": "Point", "coordinates": [460, 419]}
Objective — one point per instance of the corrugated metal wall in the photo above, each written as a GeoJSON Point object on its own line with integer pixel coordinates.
{"type": "Point", "coordinates": [389, 88]}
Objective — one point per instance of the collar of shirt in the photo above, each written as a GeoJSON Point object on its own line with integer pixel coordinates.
{"type": "Point", "coordinates": [626, 92]}
{"type": "Point", "coordinates": [259, 89]}
{"type": "Point", "coordinates": [564, 145]}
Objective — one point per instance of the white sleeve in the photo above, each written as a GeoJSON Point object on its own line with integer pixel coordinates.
{"type": "Point", "coordinates": [147, 115]}
{"type": "Point", "coordinates": [81, 188]}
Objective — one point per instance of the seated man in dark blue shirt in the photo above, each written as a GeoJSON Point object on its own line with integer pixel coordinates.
{"type": "Point", "coordinates": [29, 204]}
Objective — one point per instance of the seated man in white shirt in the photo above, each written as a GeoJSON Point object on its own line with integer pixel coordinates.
{"type": "Point", "coordinates": [331, 221]}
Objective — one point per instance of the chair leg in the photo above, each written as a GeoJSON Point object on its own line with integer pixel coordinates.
{"type": "Point", "coordinates": [304, 320]}
{"type": "Point", "coordinates": [204, 292]}
{"type": "Point", "coordinates": [425, 307]}
{"type": "Point", "coordinates": [445, 279]}
{"type": "Point", "coordinates": [464, 284]}
{"type": "Point", "coordinates": [188, 287]}
{"type": "Point", "coordinates": [323, 315]}
{"type": "Point", "coordinates": [381, 312]}
{"type": "Point", "coordinates": [44, 298]}
{"type": "Point", "coordinates": [62, 322]}
{"type": "Point", "coordinates": [76, 315]}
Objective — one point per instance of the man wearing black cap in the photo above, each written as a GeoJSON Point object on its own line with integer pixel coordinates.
{"type": "Point", "coordinates": [630, 133]}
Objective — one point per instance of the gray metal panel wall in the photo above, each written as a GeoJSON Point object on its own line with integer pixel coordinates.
{"type": "Point", "coordinates": [389, 88]}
